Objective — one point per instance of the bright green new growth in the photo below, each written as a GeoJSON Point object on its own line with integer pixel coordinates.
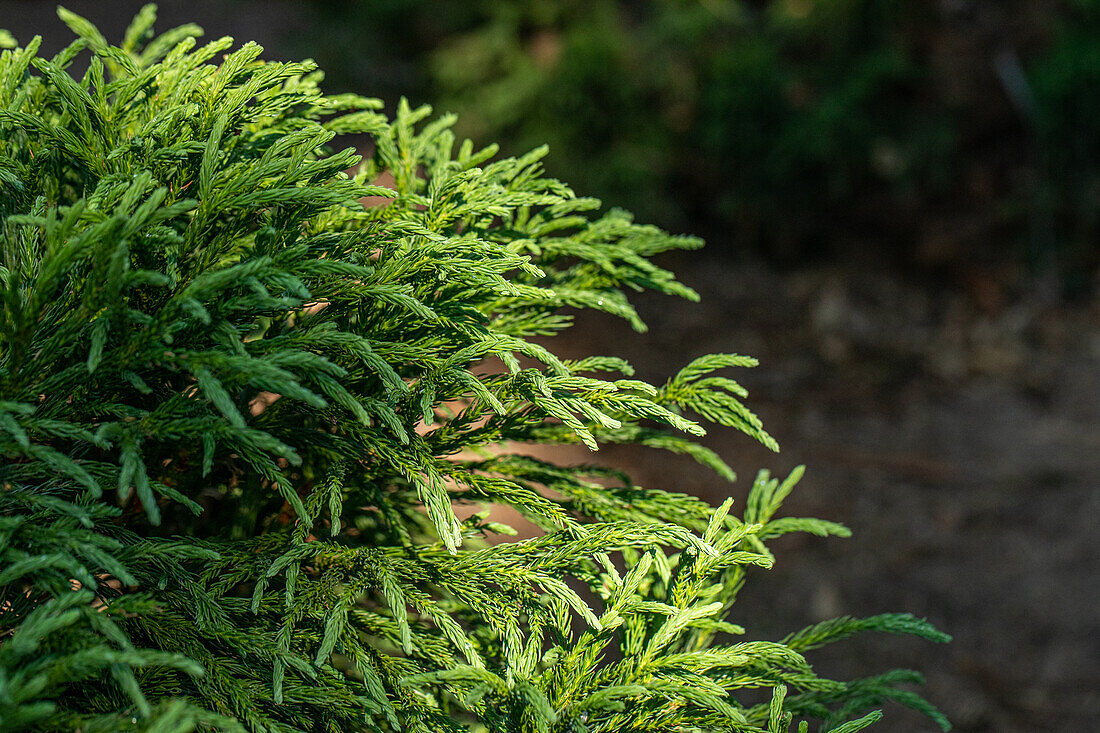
{"type": "Point", "coordinates": [238, 408]}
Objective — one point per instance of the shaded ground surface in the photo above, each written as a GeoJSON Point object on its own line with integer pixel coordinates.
{"type": "Point", "coordinates": [957, 436]}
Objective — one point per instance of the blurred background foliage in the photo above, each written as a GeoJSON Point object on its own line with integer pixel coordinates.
{"type": "Point", "coordinates": [947, 134]}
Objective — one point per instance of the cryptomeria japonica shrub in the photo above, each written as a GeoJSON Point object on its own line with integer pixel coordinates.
{"type": "Point", "coordinates": [241, 402]}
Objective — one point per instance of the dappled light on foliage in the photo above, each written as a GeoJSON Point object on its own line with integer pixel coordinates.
{"type": "Point", "coordinates": [239, 409]}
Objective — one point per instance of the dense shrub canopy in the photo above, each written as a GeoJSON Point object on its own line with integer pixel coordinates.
{"type": "Point", "coordinates": [246, 399]}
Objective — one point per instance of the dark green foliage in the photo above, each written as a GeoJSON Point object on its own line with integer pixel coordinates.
{"type": "Point", "coordinates": [239, 409]}
{"type": "Point", "coordinates": [1066, 116]}
{"type": "Point", "coordinates": [778, 118]}
{"type": "Point", "coordinates": [796, 128]}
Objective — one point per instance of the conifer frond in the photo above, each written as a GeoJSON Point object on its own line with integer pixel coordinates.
{"type": "Point", "coordinates": [243, 393]}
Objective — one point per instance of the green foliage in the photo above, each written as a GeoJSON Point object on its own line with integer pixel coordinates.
{"type": "Point", "coordinates": [778, 118]}
{"type": "Point", "coordinates": [1066, 117]}
{"type": "Point", "coordinates": [256, 412]}
{"type": "Point", "coordinates": [805, 127]}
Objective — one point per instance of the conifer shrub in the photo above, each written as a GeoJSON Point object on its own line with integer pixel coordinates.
{"type": "Point", "coordinates": [245, 398]}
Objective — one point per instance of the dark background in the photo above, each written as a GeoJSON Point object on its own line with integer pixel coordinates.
{"type": "Point", "coordinates": [902, 203]}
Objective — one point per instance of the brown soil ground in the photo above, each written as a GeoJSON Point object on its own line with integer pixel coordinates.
{"type": "Point", "coordinates": [957, 436]}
